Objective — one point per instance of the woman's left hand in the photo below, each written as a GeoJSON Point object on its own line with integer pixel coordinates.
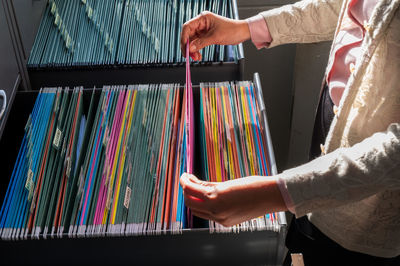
{"type": "Point", "coordinates": [232, 202]}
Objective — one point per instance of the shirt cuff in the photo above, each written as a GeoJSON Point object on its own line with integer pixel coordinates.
{"type": "Point", "coordinates": [285, 194]}
{"type": "Point", "coordinates": [259, 32]}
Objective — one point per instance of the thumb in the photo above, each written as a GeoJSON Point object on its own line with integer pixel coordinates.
{"type": "Point", "coordinates": [193, 186]}
{"type": "Point", "coordinates": [188, 179]}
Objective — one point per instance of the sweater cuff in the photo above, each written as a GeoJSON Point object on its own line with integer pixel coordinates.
{"type": "Point", "coordinates": [285, 194]}
{"type": "Point", "coordinates": [259, 31]}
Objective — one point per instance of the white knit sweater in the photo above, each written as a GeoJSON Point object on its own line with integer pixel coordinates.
{"type": "Point", "coordinates": [352, 192]}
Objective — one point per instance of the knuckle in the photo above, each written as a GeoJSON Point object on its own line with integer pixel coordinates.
{"type": "Point", "coordinates": [206, 13]}
{"type": "Point", "coordinates": [198, 43]}
{"type": "Point", "coordinates": [212, 194]}
{"type": "Point", "coordinates": [206, 17]}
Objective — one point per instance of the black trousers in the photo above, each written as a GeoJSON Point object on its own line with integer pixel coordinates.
{"type": "Point", "coordinates": [303, 237]}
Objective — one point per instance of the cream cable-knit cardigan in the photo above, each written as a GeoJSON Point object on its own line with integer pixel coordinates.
{"type": "Point", "coordinates": [352, 192]}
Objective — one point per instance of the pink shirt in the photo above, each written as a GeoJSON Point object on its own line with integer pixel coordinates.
{"type": "Point", "coordinates": [346, 50]}
{"type": "Point", "coordinates": [347, 46]}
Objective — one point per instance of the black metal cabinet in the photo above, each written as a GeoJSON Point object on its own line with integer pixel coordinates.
{"type": "Point", "coordinates": [195, 246]}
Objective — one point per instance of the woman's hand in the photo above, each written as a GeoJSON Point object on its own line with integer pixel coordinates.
{"type": "Point", "coordinates": [234, 201]}
{"type": "Point", "coordinates": [209, 28]}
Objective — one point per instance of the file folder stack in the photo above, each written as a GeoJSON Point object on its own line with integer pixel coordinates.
{"type": "Point", "coordinates": [101, 33]}
{"type": "Point", "coordinates": [106, 162]}
{"type": "Point", "coordinates": [233, 140]}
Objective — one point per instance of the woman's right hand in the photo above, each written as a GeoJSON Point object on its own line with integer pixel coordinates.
{"type": "Point", "coordinates": [209, 28]}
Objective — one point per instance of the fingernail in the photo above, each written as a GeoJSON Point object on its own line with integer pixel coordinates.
{"type": "Point", "coordinates": [184, 175]}
{"type": "Point", "coordinates": [193, 48]}
{"type": "Point", "coordinates": [182, 180]}
{"type": "Point", "coordinates": [193, 178]}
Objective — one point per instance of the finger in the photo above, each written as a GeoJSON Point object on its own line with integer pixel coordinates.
{"type": "Point", "coordinates": [202, 215]}
{"type": "Point", "coordinates": [194, 179]}
{"type": "Point", "coordinates": [195, 203]}
{"type": "Point", "coordinates": [199, 43]}
{"type": "Point", "coordinates": [188, 30]}
{"type": "Point", "coordinates": [192, 186]}
{"type": "Point", "coordinates": [208, 186]}
{"type": "Point", "coordinates": [196, 56]}
{"type": "Point", "coordinates": [192, 29]}
{"type": "Point", "coordinates": [186, 177]}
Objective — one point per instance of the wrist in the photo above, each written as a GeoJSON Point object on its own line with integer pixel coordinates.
{"type": "Point", "coordinates": [262, 192]}
{"type": "Point", "coordinates": [259, 32]}
{"type": "Point", "coordinates": [267, 190]}
{"type": "Point", "coordinates": [243, 30]}
{"type": "Point", "coordinates": [231, 31]}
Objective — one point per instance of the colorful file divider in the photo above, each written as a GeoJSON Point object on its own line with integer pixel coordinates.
{"type": "Point", "coordinates": [233, 140]}
{"type": "Point", "coordinates": [107, 162]}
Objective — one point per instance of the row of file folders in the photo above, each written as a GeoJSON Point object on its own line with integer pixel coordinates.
{"type": "Point", "coordinates": [99, 33]}
{"type": "Point", "coordinates": [96, 162]}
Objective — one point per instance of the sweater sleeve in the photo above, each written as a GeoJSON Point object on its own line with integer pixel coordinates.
{"type": "Point", "coordinates": [346, 174]}
{"type": "Point", "coordinates": [259, 31]}
{"type": "Point", "coordinates": [305, 21]}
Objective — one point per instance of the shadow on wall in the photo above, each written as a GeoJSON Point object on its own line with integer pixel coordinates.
{"type": "Point", "coordinates": [310, 63]}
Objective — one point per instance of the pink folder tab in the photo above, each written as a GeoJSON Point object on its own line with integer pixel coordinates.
{"type": "Point", "coordinates": [189, 115]}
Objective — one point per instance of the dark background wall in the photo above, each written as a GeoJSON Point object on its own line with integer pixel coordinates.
{"type": "Point", "coordinates": [19, 21]}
